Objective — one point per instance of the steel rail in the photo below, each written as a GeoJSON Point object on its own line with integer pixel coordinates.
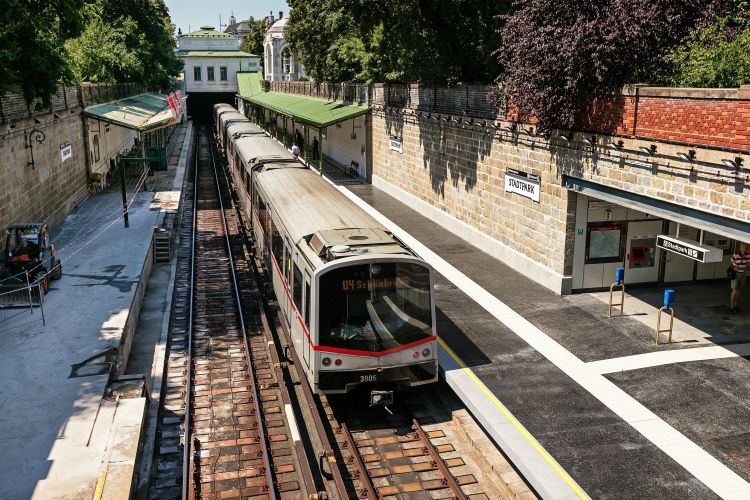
{"type": "Point", "coordinates": [454, 486]}
{"type": "Point", "coordinates": [364, 477]}
{"type": "Point", "coordinates": [306, 472]}
{"type": "Point", "coordinates": [273, 495]}
{"type": "Point", "coordinates": [187, 475]}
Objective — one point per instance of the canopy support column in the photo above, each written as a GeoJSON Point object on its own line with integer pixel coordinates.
{"type": "Point", "coordinates": [320, 152]}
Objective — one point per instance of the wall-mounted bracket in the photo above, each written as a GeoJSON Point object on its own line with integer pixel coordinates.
{"type": "Point", "coordinates": [35, 135]}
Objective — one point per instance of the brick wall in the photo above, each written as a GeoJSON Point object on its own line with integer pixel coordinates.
{"type": "Point", "coordinates": [35, 194]}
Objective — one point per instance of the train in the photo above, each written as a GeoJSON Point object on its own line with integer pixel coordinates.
{"type": "Point", "coordinates": [358, 303]}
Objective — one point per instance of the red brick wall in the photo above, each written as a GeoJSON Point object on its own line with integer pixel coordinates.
{"type": "Point", "coordinates": [715, 122]}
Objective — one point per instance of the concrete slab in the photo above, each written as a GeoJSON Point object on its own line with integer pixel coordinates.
{"type": "Point", "coordinates": [542, 355]}
{"type": "Point", "coordinates": [53, 376]}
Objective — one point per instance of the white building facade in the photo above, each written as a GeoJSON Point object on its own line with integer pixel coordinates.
{"type": "Point", "coordinates": [280, 63]}
{"type": "Point", "coordinates": [212, 61]}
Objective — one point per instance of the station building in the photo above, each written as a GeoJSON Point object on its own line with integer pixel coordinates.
{"type": "Point", "coordinates": [212, 61]}
{"type": "Point", "coordinates": [654, 180]}
{"type": "Point", "coordinates": [280, 63]}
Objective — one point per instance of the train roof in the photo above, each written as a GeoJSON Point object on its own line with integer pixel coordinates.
{"type": "Point", "coordinates": [317, 214]}
{"type": "Point", "coordinates": [237, 129]}
{"type": "Point", "coordinates": [224, 118]}
{"type": "Point", "coordinates": [259, 148]}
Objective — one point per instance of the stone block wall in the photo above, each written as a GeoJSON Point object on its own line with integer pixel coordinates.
{"type": "Point", "coordinates": [460, 170]}
{"type": "Point", "coordinates": [35, 194]}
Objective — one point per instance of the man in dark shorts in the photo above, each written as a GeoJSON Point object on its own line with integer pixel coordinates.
{"type": "Point", "coordinates": [740, 260]}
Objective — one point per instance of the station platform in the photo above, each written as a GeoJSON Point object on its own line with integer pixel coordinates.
{"type": "Point", "coordinates": [60, 436]}
{"type": "Point", "coordinates": [588, 406]}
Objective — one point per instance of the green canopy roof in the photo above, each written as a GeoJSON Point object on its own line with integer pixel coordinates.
{"type": "Point", "coordinates": [308, 110]}
{"type": "Point", "coordinates": [249, 83]}
{"type": "Point", "coordinates": [142, 112]}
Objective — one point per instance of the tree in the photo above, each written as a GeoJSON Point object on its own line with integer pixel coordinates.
{"type": "Point", "coordinates": [101, 52]}
{"type": "Point", "coordinates": [555, 53]}
{"type": "Point", "coordinates": [252, 43]}
{"type": "Point", "coordinates": [421, 41]}
{"type": "Point", "coordinates": [147, 34]}
{"type": "Point", "coordinates": [32, 52]}
{"type": "Point", "coordinates": [717, 53]}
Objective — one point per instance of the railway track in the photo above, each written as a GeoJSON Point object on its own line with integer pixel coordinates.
{"type": "Point", "coordinates": [239, 437]}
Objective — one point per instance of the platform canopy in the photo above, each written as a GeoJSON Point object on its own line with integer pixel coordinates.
{"type": "Point", "coordinates": [318, 113]}
{"type": "Point", "coordinates": [249, 83]}
{"type": "Point", "coordinates": [143, 112]}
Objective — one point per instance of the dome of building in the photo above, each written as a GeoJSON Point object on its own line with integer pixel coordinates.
{"type": "Point", "coordinates": [279, 26]}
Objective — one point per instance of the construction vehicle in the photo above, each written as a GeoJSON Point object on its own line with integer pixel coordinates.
{"type": "Point", "coordinates": [29, 257]}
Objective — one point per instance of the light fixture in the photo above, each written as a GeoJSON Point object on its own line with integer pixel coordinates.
{"type": "Point", "coordinates": [564, 137]}
{"type": "Point", "coordinates": [528, 132]}
{"type": "Point", "coordinates": [736, 163]}
{"type": "Point", "coordinates": [649, 150]}
{"type": "Point", "coordinates": [37, 120]}
{"type": "Point", "coordinates": [510, 128]}
{"type": "Point", "coordinates": [616, 145]}
{"type": "Point", "coordinates": [447, 120]}
{"type": "Point", "coordinates": [57, 116]}
{"type": "Point", "coordinates": [690, 156]}
{"type": "Point", "coordinates": [590, 141]}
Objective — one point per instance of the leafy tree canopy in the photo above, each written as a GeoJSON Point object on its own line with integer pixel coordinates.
{"type": "Point", "coordinates": [423, 41]}
{"type": "Point", "coordinates": [716, 54]}
{"type": "Point", "coordinates": [252, 43]}
{"type": "Point", "coordinates": [32, 52]}
{"type": "Point", "coordinates": [555, 53]}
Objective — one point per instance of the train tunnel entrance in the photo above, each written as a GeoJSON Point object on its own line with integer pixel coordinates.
{"type": "Point", "coordinates": [200, 104]}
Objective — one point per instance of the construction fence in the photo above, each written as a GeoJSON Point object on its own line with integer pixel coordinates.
{"type": "Point", "coordinates": [21, 302]}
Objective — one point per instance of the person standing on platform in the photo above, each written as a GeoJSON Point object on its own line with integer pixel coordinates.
{"type": "Point", "coordinates": [297, 138]}
{"type": "Point", "coordinates": [315, 146]}
{"type": "Point", "coordinates": [740, 260]}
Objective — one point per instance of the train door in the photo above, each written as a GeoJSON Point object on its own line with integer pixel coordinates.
{"type": "Point", "coordinates": [306, 351]}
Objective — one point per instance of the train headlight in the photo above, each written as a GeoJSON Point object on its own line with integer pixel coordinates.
{"type": "Point", "coordinates": [338, 362]}
{"type": "Point", "coordinates": [326, 361]}
{"type": "Point", "coordinates": [425, 352]}
{"type": "Point", "coordinates": [375, 269]}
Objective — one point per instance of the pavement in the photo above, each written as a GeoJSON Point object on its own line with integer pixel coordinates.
{"type": "Point", "coordinates": [589, 405]}
{"type": "Point", "coordinates": [61, 438]}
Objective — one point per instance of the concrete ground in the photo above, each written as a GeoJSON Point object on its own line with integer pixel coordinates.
{"type": "Point", "coordinates": [577, 381]}
{"type": "Point", "coordinates": [54, 424]}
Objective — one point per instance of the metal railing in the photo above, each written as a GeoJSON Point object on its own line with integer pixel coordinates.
{"type": "Point", "coordinates": [19, 297]}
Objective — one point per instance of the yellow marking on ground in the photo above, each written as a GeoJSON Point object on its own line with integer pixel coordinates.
{"type": "Point", "coordinates": [515, 422]}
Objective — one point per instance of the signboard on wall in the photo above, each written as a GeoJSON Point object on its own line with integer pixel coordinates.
{"type": "Point", "coordinates": [690, 249]}
{"type": "Point", "coordinates": [597, 205]}
{"type": "Point", "coordinates": [396, 144]}
{"type": "Point", "coordinates": [66, 151]}
{"type": "Point", "coordinates": [526, 185]}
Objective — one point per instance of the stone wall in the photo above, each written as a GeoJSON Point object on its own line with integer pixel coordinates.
{"type": "Point", "coordinates": [460, 171]}
{"type": "Point", "coordinates": [46, 191]}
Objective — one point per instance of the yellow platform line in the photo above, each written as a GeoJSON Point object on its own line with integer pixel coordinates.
{"type": "Point", "coordinates": [516, 423]}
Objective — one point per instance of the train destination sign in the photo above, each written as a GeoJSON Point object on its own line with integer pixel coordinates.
{"type": "Point", "coordinates": [690, 249]}
{"type": "Point", "coordinates": [527, 185]}
{"type": "Point", "coordinates": [369, 285]}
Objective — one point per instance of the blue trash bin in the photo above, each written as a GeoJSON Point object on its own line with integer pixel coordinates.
{"type": "Point", "coordinates": [668, 298]}
{"type": "Point", "coordinates": [619, 275]}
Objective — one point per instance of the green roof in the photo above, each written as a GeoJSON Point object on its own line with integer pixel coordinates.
{"type": "Point", "coordinates": [249, 83]}
{"type": "Point", "coordinates": [209, 32]}
{"type": "Point", "coordinates": [308, 110]}
{"type": "Point", "coordinates": [213, 53]}
{"type": "Point", "coordinates": [142, 112]}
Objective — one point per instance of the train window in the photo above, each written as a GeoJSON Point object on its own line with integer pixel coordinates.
{"type": "Point", "coordinates": [375, 307]}
{"type": "Point", "coordinates": [277, 244]}
{"type": "Point", "coordinates": [287, 263]}
{"type": "Point", "coordinates": [307, 302]}
{"type": "Point", "coordinates": [262, 215]}
{"type": "Point", "coordinates": [297, 288]}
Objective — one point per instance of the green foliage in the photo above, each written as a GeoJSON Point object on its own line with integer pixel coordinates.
{"type": "Point", "coordinates": [716, 55]}
{"type": "Point", "coordinates": [423, 41]}
{"type": "Point", "coordinates": [32, 52]}
{"type": "Point", "coordinates": [252, 43]}
{"type": "Point", "coordinates": [101, 52]}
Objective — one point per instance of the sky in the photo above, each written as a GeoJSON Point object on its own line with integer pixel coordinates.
{"type": "Point", "coordinates": [192, 14]}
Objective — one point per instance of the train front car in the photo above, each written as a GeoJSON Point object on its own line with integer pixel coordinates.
{"type": "Point", "coordinates": [375, 322]}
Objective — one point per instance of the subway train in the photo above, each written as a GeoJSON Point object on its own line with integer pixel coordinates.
{"type": "Point", "coordinates": [358, 303]}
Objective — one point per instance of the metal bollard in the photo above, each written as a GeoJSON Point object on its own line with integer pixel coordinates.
{"type": "Point", "coordinates": [668, 301]}
{"type": "Point", "coordinates": [619, 277]}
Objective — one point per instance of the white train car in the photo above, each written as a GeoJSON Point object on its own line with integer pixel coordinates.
{"type": "Point", "coordinates": [358, 303]}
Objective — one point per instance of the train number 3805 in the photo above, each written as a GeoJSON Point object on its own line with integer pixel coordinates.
{"type": "Point", "coordinates": [368, 378]}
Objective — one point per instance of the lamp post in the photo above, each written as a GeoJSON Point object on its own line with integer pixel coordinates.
{"type": "Point", "coordinates": [35, 135]}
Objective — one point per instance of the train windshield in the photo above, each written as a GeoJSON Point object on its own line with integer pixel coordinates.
{"type": "Point", "coordinates": [375, 307]}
